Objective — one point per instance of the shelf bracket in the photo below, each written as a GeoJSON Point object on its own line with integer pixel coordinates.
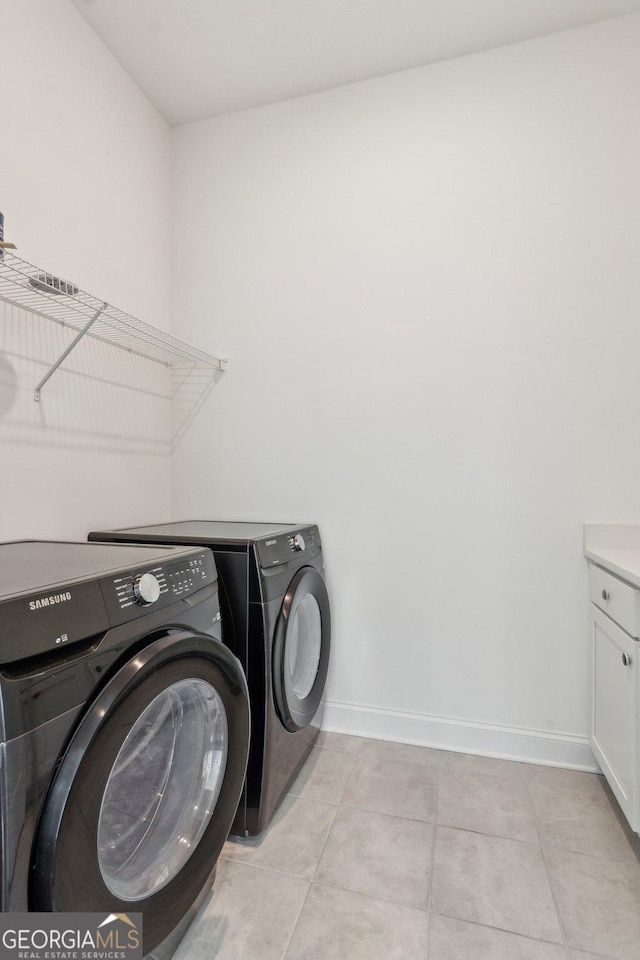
{"type": "Point", "coordinates": [63, 356]}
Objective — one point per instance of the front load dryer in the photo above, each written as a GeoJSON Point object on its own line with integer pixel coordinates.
{"type": "Point", "coordinates": [276, 619]}
{"type": "Point", "coordinates": [124, 728]}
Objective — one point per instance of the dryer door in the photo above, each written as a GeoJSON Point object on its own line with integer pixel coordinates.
{"type": "Point", "coordinates": [301, 649]}
{"type": "Point", "coordinates": [147, 788]}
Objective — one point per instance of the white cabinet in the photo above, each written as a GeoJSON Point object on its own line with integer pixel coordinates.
{"type": "Point", "coordinates": [615, 693]}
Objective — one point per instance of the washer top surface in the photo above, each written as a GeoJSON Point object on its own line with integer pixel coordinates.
{"type": "Point", "coordinates": [29, 565]}
{"type": "Point", "coordinates": [216, 531]}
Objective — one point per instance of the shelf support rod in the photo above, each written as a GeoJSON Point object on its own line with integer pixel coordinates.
{"type": "Point", "coordinates": [63, 356]}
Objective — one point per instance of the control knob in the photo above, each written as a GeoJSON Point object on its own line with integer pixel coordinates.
{"type": "Point", "coordinates": [146, 589]}
{"type": "Point", "coordinates": [298, 543]}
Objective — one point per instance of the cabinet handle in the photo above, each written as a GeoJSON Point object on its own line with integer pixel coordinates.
{"type": "Point", "coordinates": [605, 594]}
{"type": "Point", "coordinates": [626, 659]}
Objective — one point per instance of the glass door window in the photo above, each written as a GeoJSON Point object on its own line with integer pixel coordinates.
{"type": "Point", "coordinates": [304, 643]}
{"type": "Point", "coordinates": [162, 789]}
{"type": "Point", "coordinates": [301, 649]}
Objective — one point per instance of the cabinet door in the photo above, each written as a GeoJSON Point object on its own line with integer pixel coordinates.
{"type": "Point", "coordinates": [614, 710]}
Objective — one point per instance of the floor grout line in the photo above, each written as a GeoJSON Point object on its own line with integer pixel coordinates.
{"type": "Point", "coordinates": [511, 933]}
{"type": "Point", "coordinates": [383, 813]}
{"type": "Point", "coordinates": [433, 858]}
{"type": "Point", "coordinates": [342, 753]}
{"type": "Point", "coordinates": [324, 845]}
{"type": "Point", "coordinates": [377, 898]}
{"type": "Point", "coordinates": [546, 867]}
{"type": "Point", "coordinates": [259, 866]}
{"type": "Point", "coordinates": [295, 926]}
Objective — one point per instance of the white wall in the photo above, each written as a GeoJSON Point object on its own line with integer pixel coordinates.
{"type": "Point", "coordinates": [427, 286]}
{"type": "Point", "coordinates": [85, 189]}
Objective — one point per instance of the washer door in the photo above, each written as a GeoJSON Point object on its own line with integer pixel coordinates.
{"type": "Point", "coordinates": [147, 788]}
{"type": "Point", "coordinates": [301, 649]}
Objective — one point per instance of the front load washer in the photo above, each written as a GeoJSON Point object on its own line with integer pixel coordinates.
{"type": "Point", "coordinates": [124, 729]}
{"type": "Point", "coordinates": [276, 619]}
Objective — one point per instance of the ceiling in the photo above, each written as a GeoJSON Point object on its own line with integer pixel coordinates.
{"type": "Point", "coordinates": [195, 59]}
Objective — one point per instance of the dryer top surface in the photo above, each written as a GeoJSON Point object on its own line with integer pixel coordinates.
{"type": "Point", "coordinates": [205, 531]}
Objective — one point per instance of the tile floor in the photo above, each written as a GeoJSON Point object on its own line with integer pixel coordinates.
{"type": "Point", "coordinates": [383, 851]}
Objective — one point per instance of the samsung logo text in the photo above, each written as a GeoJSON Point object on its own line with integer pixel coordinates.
{"type": "Point", "coordinates": [49, 601]}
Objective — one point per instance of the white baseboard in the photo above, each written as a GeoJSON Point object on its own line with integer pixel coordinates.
{"type": "Point", "coordinates": [462, 736]}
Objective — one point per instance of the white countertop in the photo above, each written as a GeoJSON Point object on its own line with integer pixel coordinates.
{"type": "Point", "coordinates": [616, 547]}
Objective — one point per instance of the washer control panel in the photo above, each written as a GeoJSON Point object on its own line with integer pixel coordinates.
{"type": "Point", "coordinates": [188, 576]}
{"type": "Point", "coordinates": [140, 588]}
{"type": "Point", "coordinates": [288, 546]}
{"type": "Point", "coordinates": [135, 592]}
{"type": "Point", "coordinates": [60, 613]}
{"type": "Point", "coordinates": [297, 543]}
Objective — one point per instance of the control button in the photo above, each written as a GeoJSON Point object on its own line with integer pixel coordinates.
{"type": "Point", "coordinates": [146, 589]}
{"type": "Point", "coordinates": [297, 542]}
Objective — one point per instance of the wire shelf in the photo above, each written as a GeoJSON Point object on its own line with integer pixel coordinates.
{"type": "Point", "coordinates": [40, 292]}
